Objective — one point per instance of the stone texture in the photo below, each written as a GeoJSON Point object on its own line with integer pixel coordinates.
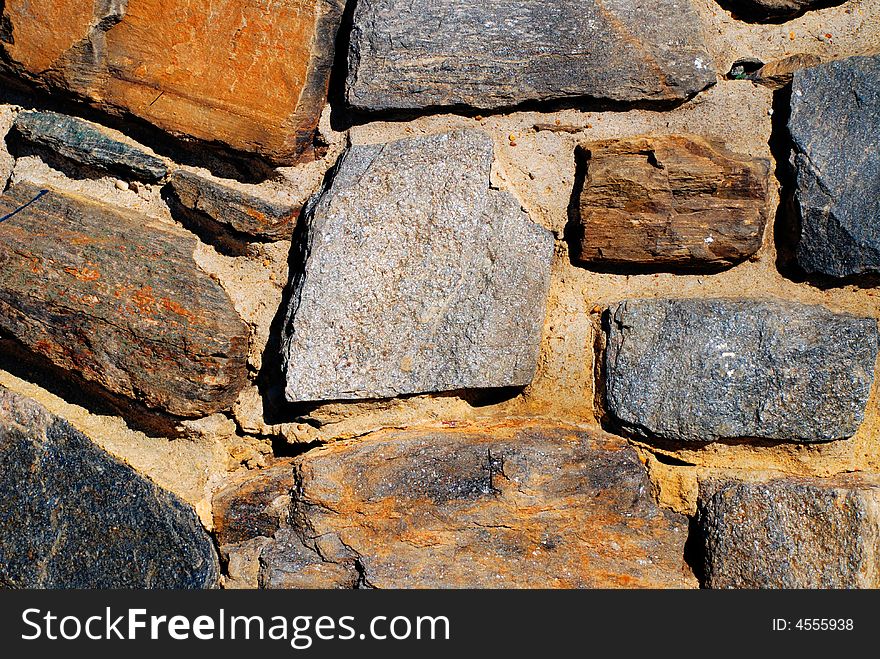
{"type": "Point", "coordinates": [835, 120]}
{"type": "Point", "coordinates": [410, 54]}
{"type": "Point", "coordinates": [417, 278]}
{"type": "Point", "coordinates": [670, 201]}
{"type": "Point", "coordinates": [777, 9]}
{"type": "Point", "coordinates": [88, 144]}
{"type": "Point", "coordinates": [779, 73]}
{"type": "Point", "coordinates": [791, 533]}
{"type": "Point", "coordinates": [120, 303]}
{"type": "Point", "coordinates": [512, 507]}
{"type": "Point", "coordinates": [256, 507]}
{"type": "Point", "coordinates": [243, 213]}
{"type": "Point", "coordinates": [72, 516]}
{"type": "Point", "coordinates": [715, 369]}
{"type": "Point", "coordinates": [247, 74]}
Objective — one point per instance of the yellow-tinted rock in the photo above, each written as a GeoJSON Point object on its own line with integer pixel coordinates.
{"type": "Point", "coordinates": [248, 74]}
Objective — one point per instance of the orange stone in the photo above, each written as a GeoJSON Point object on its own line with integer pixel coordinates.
{"type": "Point", "coordinates": [247, 74]}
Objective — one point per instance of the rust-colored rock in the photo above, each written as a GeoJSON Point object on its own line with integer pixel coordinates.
{"type": "Point", "coordinates": [251, 75]}
{"type": "Point", "coordinates": [779, 73]}
{"type": "Point", "coordinates": [527, 507]}
{"type": "Point", "coordinates": [256, 507]}
{"type": "Point", "coordinates": [675, 201]}
{"type": "Point", "coordinates": [119, 301]}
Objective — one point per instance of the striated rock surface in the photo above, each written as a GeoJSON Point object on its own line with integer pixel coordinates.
{"type": "Point", "coordinates": [86, 143]}
{"type": "Point", "coordinates": [246, 74]}
{"type": "Point", "coordinates": [835, 120]}
{"type": "Point", "coordinates": [418, 277]}
{"type": "Point", "coordinates": [72, 516]}
{"type": "Point", "coordinates": [713, 369]}
{"type": "Point", "coordinates": [670, 201]}
{"type": "Point", "coordinates": [243, 213]}
{"type": "Point", "coordinates": [411, 54]}
{"type": "Point", "coordinates": [791, 532]}
{"type": "Point", "coordinates": [779, 73]}
{"type": "Point", "coordinates": [121, 302]}
{"type": "Point", "coordinates": [526, 507]}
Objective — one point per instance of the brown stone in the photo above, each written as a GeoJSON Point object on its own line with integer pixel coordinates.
{"type": "Point", "coordinates": [674, 201]}
{"type": "Point", "coordinates": [233, 209]}
{"type": "Point", "coordinates": [256, 507]}
{"type": "Point", "coordinates": [516, 507]}
{"type": "Point", "coordinates": [779, 73]}
{"type": "Point", "coordinates": [247, 74]}
{"type": "Point", "coordinates": [118, 300]}
{"type": "Point", "coordinates": [791, 532]}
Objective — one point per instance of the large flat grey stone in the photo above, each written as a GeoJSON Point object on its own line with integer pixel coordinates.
{"type": "Point", "coordinates": [714, 369]}
{"type": "Point", "coordinates": [411, 54]}
{"type": "Point", "coordinates": [72, 516]}
{"type": "Point", "coordinates": [834, 125]}
{"type": "Point", "coordinates": [417, 277]}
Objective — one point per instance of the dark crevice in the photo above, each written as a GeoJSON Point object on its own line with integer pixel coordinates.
{"type": "Point", "coordinates": [584, 103]}
{"type": "Point", "coordinates": [694, 552]}
{"type": "Point", "coordinates": [750, 11]}
{"type": "Point", "coordinates": [281, 448]}
{"type": "Point", "coordinates": [16, 359]}
{"type": "Point", "coordinates": [340, 121]}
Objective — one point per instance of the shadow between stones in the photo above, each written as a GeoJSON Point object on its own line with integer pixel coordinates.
{"type": "Point", "coordinates": [224, 239]}
{"type": "Point", "coordinates": [748, 12]}
{"type": "Point", "coordinates": [67, 385]}
{"type": "Point", "coordinates": [787, 225]}
{"type": "Point", "coordinates": [582, 103]}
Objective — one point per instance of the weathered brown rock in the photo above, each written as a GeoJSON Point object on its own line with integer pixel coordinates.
{"type": "Point", "coordinates": [670, 201]}
{"type": "Point", "coordinates": [779, 73]}
{"type": "Point", "coordinates": [791, 532]}
{"type": "Point", "coordinates": [256, 507]}
{"type": "Point", "coordinates": [241, 73]}
{"type": "Point", "coordinates": [234, 209]}
{"type": "Point", "coordinates": [118, 301]}
{"type": "Point", "coordinates": [532, 506]}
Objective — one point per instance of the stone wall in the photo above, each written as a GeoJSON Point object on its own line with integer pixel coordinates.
{"type": "Point", "coordinates": [432, 293]}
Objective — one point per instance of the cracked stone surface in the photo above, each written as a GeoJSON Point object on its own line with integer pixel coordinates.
{"type": "Point", "coordinates": [417, 276]}
{"type": "Point", "coordinates": [517, 507]}
{"type": "Point", "coordinates": [72, 516]}
{"type": "Point", "coordinates": [672, 201]}
{"type": "Point", "coordinates": [88, 144]}
{"type": "Point", "coordinates": [835, 120]}
{"type": "Point", "coordinates": [411, 54]}
{"type": "Point", "coordinates": [702, 370]}
{"type": "Point", "coordinates": [790, 532]}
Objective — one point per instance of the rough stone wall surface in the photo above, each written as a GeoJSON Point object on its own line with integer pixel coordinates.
{"type": "Point", "coordinates": [474, 297]}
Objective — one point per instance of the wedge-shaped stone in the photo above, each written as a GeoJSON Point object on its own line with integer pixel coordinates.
{"type": "Point", "coordinates": [527, 507]}
{"type": "Point", "coordinates": [242, 212]}
{"type": "Point", "coordinates": [672, 201]}
{"type": "Point", "coordinates": [72, 516]}
{"type": "Point", "coordinates": [118, 300]}
{"type": "Point", "coordinates": [247, 74]}
{"type": "Point", "coordinates": [835, 120]}
{"type": "Point", "coordinates": [88, 144]}
{"type": "Point", "coordinates": [791, 532]}
{"type": "Point", "coordinates": [411, 54]}
{"type": "Point", "coordinates": [714, 369]}
{"type": "Point", "coordinates": [417, 277]}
